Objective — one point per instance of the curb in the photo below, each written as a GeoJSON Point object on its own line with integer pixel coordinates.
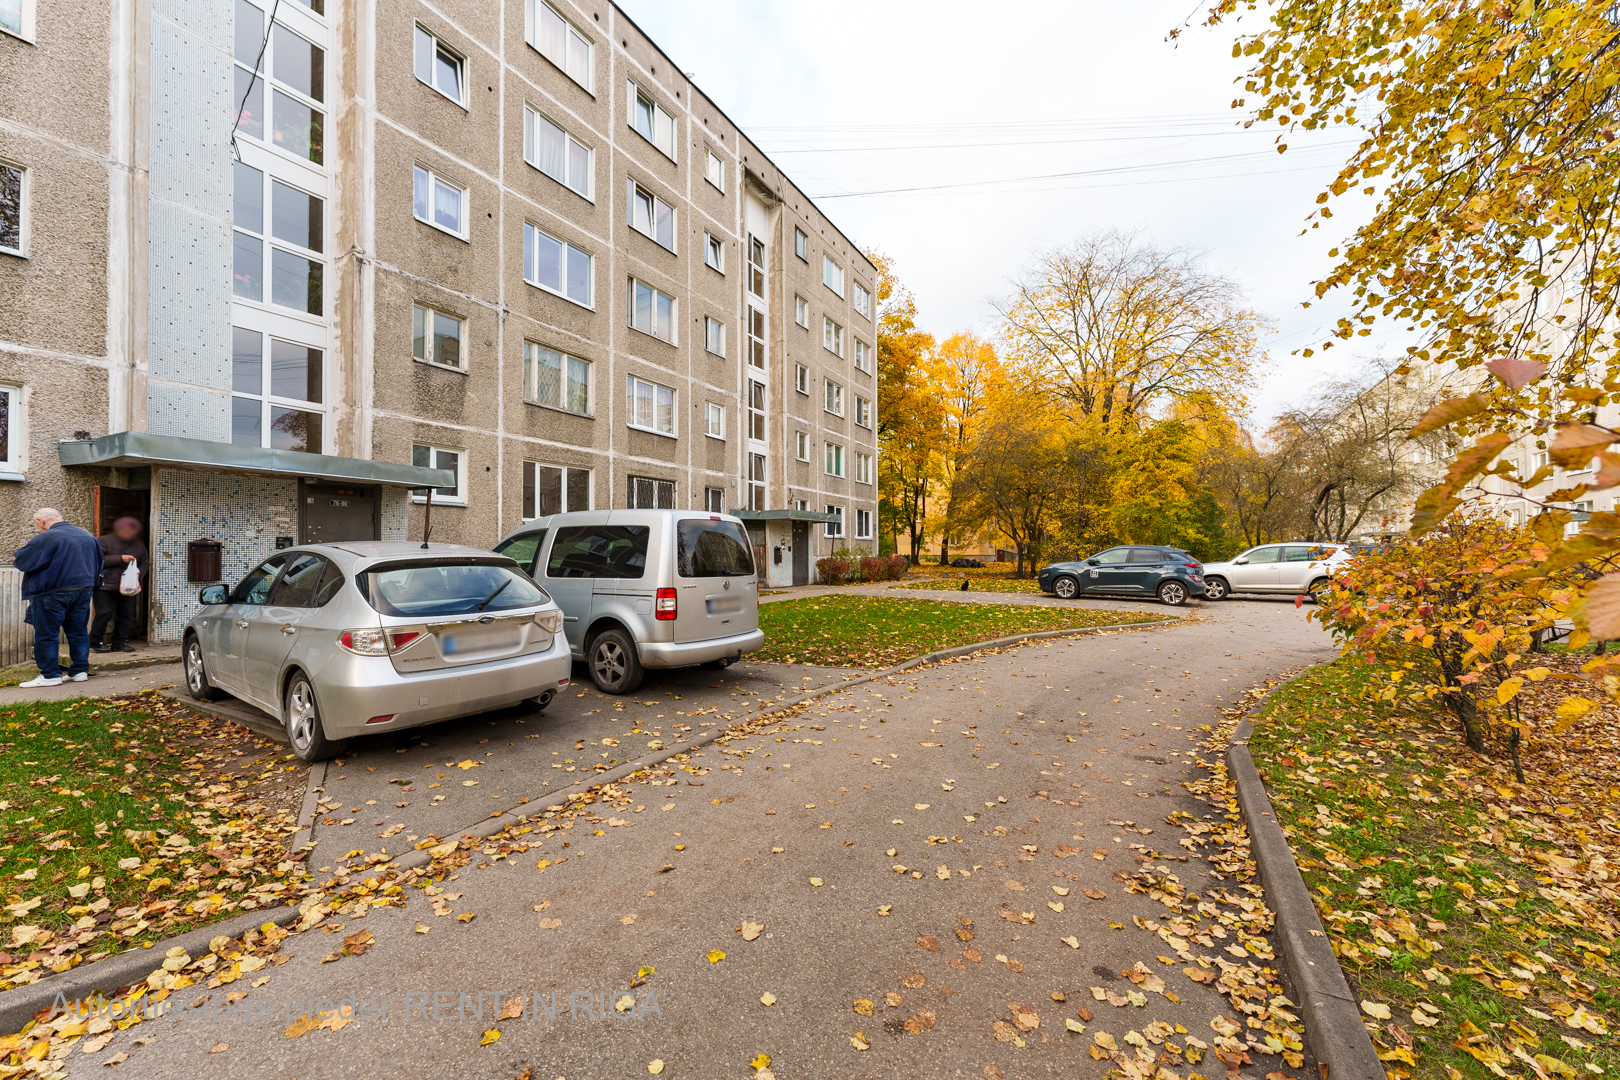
{"type": "Point", "coordinates": [314, 785]}
{"type": "Point", "coordinates": [1333, 1025]}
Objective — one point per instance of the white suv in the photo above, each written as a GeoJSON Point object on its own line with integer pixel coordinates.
{"type": "Point", "coordinates": [1276, 568]}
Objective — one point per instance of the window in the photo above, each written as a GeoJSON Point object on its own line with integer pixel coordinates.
{"type": "Point", "coordinates": [602, 551]}
{"type": "Point", "coordinates": [556, 153]}
{"type": "Point", "coordinates": [801, 504]}
{"type": "Point", "coordinates": [17, 18]}
{"type": "Point", "coordinates": [801, 244]}
{"type": "Point", "coordinates": [863, 411]}
{"type": "Point", "coordinates": [554, 489]}
{"type": "Point", "coordinates": [651, 407]}
{"type": "Point", "coordinates": [651, 121]}
{"type": "Point", "coordinates": [714, 170]}
{"type": "Point", "coordinates": [12, 438]}
{"type": "Point", "coordinates": [714, 500]}
{"type": "Point", "coordinates": [863, 524]}
{"type": "Point", "coordinates": [714, 420]}
{"type": "Point", "coordinates": [833, 463]}
{"type": "Point", "coordinates": [440, 67]}
{"type": "Point", "coordinates": [277, 390]}
{"type": "Point", "coordinates": [832, 336]}
{"type": "Point", "coordinates": [756, 337]}
{"type": "Point", "coordinates": [436, 338]}
{"type": "Point", "coordinates": [756, 266]}
{"type": "Point", "coordinates": [440, 203]}
{"type": "Point", "coordinates": [265, 209]}
{"type": "Point", "coordinates": [756, 481]}
{"type": "Point", "coordinates": [836, 528]}
{"type": "Point", "coordinates": [13, 204]}
{"type": "Point", "coordinates": [556, 266]}
{"type": "Point", "coordinates": [438, 457]}
{"type": "Point", "coordinates": [556, 380]}
{"type": "Point", "coordinates": [714, 336]}
{"type": "Point", "coordinates": [863, 300]}
{"type": "Point", "coordinates": [832, 275]}
{"type": "Point", "coordinates": [714, 252]}
{"type": "Point", "coordinates": [834, 398]}
{"type": "Point", "coordinates": [647, 493]}
{"type": "Point", "coordinates": [801, 445]}
{"type": "Point", "coordinates": [293, 75]}
{"type": "Point", "coordinates": [863, 356]}
{"type": "Point", "coordinates": [756, 410]}
{"type": "Point", "coordinates": [651, 216]}
{"type": "Point", "coordinates": [801, 311]}
{"type": "Point", "coordinates": [554, 38]}
{"type": "Point", "coordinates": [863, 468]}
{"type": "Point", "coordinates": [801, 379]}
{"type": "Point", "coordinates": [651, 311]}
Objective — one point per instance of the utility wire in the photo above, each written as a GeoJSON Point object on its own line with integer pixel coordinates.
{"type": "Point", "coordinates": [269, 28]}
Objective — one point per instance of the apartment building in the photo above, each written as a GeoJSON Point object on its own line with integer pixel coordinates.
{"type": "Point", "coordinates": [281, 265]}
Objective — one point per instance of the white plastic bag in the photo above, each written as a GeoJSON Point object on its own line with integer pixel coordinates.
{"type": "Point", "coordinates": [130, 583]}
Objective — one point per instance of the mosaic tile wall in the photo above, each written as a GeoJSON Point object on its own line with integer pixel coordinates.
{"type": "Point", "coordinates": [245, 513]}
{"type": "Point", "coordinates": [396, 507]}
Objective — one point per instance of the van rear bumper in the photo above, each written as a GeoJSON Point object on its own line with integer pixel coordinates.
{"type": "Point", "coordinates": [665, 654]}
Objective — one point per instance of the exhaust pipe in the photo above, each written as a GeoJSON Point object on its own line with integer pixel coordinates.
{"type": "Point", "coordinates": [545, 698]}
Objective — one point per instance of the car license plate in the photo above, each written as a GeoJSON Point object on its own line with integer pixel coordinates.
{"type": "Point", "coordinates": [725, 606]}
{"type": "Point", "coordinates": [453, 644]}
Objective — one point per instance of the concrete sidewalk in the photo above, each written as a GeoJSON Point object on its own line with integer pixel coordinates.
{"type": "Point", "coordinates": [145, 655]}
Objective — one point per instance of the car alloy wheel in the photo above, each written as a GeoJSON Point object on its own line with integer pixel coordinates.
{"type": "Point", "coordinates": [1319, 591]}
{"type": "Point", "coordinates": [196, 681]}
{"type": "Point", "coordinates": [1066, 588]}
{"type": "Point", "coordinates": [1173, 593]}
{"type": "Point", "coordinates": [1214, 589]}
{"type": "Point", "coordinates": [302, 716]}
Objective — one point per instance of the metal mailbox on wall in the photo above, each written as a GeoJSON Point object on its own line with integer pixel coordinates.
{"type": "Point", "coordinates": [204, 560]}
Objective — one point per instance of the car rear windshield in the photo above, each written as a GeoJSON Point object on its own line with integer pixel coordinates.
{"type": "Point", "coordinates": [434, 588]}
{"type": "Point", "coordinates": [599, 551]}
{"type": "Point", "coordinates": [708, 548]}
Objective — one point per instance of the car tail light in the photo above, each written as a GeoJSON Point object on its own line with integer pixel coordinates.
{"type": "Point", "coordinates": [380, 719]}
{"type": "Point", "coordinates": [1193, 565]}
{"type": "Point", "coordinates": [665, 607]}
{"type": "Point", "coordinates": [364, 642]}
{"type": "Point", "coordinates": [550, 621]}
{"type": "Point", "coordinates": [401, 638]}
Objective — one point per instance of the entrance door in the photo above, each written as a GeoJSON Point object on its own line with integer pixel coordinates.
{"type": "Point", "coordinates": [333, 513]}
{"type": "Point", "coordinates": [801, 553]}
{"type": "Point", "coordinates": [111, 504]}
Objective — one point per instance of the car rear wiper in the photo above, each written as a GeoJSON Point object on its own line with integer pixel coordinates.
{"type": "Point", "coordinates": [488, 599]}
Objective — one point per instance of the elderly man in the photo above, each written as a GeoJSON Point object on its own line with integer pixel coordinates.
{"type": "Point", "coordinates": [119, 548]}
{"type": "Point", "coordinates": [59, 567]}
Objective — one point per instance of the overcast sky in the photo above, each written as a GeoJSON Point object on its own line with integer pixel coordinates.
{"type": "Point", "coordinates": [949, 135]}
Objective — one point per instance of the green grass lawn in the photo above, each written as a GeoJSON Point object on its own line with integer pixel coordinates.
{"type": "Point", "coordinates": [875, 632]}
{"type": "Point", "coordinates": [1481, 912]}
{"type": "Point", "coordinates": [988, 583]}
{"type": "Point", "coordinates": [123, 822]}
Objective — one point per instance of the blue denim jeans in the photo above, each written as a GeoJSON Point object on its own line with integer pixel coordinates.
{"type": "Point", "coordinates": [54, 613]}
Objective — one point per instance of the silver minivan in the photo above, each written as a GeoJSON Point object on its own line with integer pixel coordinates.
{"type": "Point", "coordinates": [645, 589]}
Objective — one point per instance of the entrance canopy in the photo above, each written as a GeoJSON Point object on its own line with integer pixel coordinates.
{"type": "Point", "coordinates": [138, 449]}
{"type": "Point", "coordinates": [784, 515]}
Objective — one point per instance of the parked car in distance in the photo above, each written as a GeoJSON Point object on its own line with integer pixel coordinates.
{"type": "Point", "coordinates": [1168, 573]}
{"type": "Point", "coordinates": [1276, 568]}
{"type": "Point", "coordinates": [967, 564]}
{"type": "Point", "coordinates": [341, 640]}
{"type": "Point", "coordinates": [645, 589]}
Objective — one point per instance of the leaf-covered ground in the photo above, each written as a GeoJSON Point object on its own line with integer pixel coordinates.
{"type": "Point", "coordinates": [999, 582]}
{"type": "Point", "coordinates": [1475, 917]}
{"type": "Point", "coordinates": [876, 632]}
{"type": "Point", "coordinates": [127, 821]}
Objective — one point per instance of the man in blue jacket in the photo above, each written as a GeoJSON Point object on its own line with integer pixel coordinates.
{"type": "Point", "coordinates": [59, 568]}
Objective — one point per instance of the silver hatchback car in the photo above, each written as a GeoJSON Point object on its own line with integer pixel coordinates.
{"type": "Point", "coordinates": [340, 640]}
{"type": "Point", "coordinates": [645, 589]}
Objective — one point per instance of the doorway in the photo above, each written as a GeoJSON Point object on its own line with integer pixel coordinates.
{"type": "Point", "coordinates": [108, 505]}
{"type": "Point", "coordinates": [801, 553]}
{"type": "Point", "coordinates": [335, 513]}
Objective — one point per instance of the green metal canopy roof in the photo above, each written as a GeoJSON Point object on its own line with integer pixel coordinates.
{"type": "Point", "coordinates": [784, 515]}
{"type": "Point", "coordinates": [137, 449]}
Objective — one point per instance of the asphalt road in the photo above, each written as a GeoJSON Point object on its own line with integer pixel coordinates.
{"type": "Point", "coordinates": [1043, 745]}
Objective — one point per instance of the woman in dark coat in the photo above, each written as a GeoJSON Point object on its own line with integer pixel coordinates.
{"type": "Point", "coordinates": [118, 548]}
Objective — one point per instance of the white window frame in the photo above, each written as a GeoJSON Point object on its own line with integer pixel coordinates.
{"type": "Point", "coordinates": [563, 60]}
{"type": "Point", "coordinates": [832, 397]}
{"type": "Point", "coordinates": [801, 311]}
{"type": "Point", "coordinates": [531, 477]}
{"type": "Point", "coordinates": [656, 484]}
{"type": "Point", "coordinates": [713, 328]}
{"type": "Point", "coordinates": [658, 208]}
{"type": "Point", "coordinates": [631, 384]}
{"type": "Point", "coordinates": [531, 379]}
{"type": "Point", "coordinates": [714, 500]}
{"type": "Point", "coordinates": [436, 44]}
{"type": "Point", "coordinates": [434, 180]}
{"type": "Point", "coordinates": [439, 498]}
{"type": "Point", "coordinates": [830, 271]}
{"type": "Point", "coordinates": [863, 411]}
{"type": "Point", "coordinates": [13, 464]}
{"type": "Point", "coordinates": [264, 86]}
{"type": "Point", "coordinates": [835, 529]}
{"type": "Point", "coordinates": [801, 446]}
{"type": "Point", "coordinates": [532, 119]}
{"type": "Point", "coordinates": [635, 95]}
{"type": "Point", "coordinates": [863, 356]}
{"type": "Point", "coordinates": [714, 420]}
{"type": "Point", "coordinates": [25, 30]}
{"type": "Point", "coordinates": [758, 467]}
{"type": "Point", "coordinates": [801, 244]}
{"type": "Point", "coordinates": [674, 312]}
{"type": "Point", "coordinates": [714, 169]}
{"type": "Point", "coordinates": [756, 410]}
{"type": "Point", "coordinates": [801, 379]}
{"type": "Point", "coordinates": [832, 463]}
{"type": "Point", "coordinates": [431, 335]}
{"type": "Point", "coordinates": [716, 247]}
{"type": "Point", "coordinates": [269, 243]}
{"type": "Point", "coordinates": [863, 301]}
{"type": "Point", "coordinates": [863, 524]}
{"type": "Point", "coordinates": [530, 229]}
{"type": "Point", "coordinates": [832, 337]}
{"type": "Point", "coordinates": [21, 250]}
{"type": "Point", "coordinates": [863, 468]}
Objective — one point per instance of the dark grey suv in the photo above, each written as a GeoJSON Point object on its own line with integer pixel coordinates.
{"type": "Point", "coordinates": [1168, 573]}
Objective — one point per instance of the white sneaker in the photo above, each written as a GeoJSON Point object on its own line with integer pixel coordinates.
{"type": "Point", "coordinates": [80, 677]}
{"type": "Point", "coordinates": [41, 680]}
